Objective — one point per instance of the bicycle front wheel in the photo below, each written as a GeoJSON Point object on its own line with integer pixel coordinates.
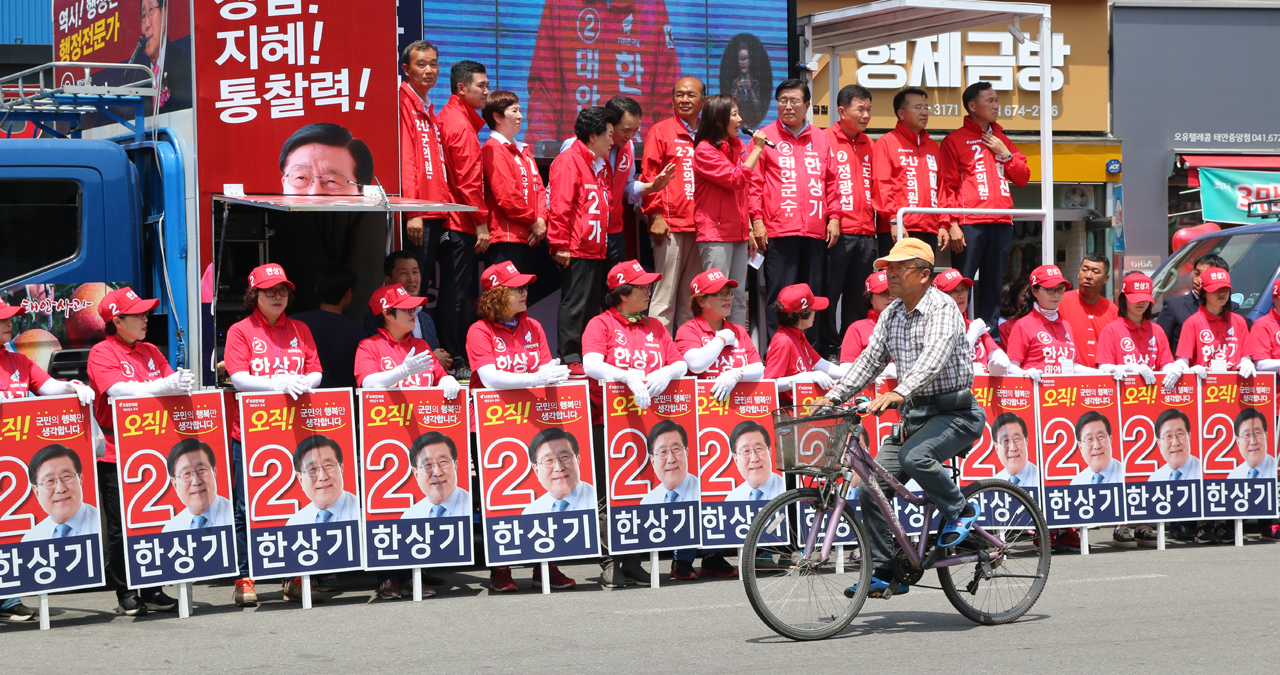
{"type": "Point", "coordinates": [803, 597]}
{"type": "Point", "coordinates": [1006, 586]}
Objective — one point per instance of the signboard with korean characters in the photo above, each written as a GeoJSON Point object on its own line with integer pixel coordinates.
{"type": "Point", "coordinates": [1161, 449]}
{"type": "Point", "coordinates": [1083, 467]}
{"type": "Point", "coordinates": [1237, 438]}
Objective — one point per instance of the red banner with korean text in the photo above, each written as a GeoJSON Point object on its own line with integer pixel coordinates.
{"type": "Point", "coordinates": [1083, 471]}
{"type": "Point", "coordinates": [1008, 449]}
{"type": "Point", "coordinates": [1238, 440]}
{"type": "Point", "coordinates": [735, 451]}
{"type": "Point", "coordinates": [416, 470]}
{"type": "Point", "coordinates": [1161, 449]}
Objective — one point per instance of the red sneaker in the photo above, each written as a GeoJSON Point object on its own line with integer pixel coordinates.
{"type": "Point", "coordinates": [1068, 538]}
{"type": "Point", "coordinates": [559, 581]}
{"type": "Point", "coordinates": [1271, 532]}
{"type": "Point", "coordinates": [244, 592]}
{"type": "Point", "coordinates": [500, 580]}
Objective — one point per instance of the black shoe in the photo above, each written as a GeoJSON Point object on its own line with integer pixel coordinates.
{"type": "Point", "coordinates": [715, 565]}
{"type": "Point", "coordinates": [131, 605]}
{"type": "Point", "coordinates": [21, 612]}
{"type": "Point", "coordinates": [612, 576]}
{"type": "Point", "coordinates": [1204, 534]}
{"type": "Point", "coordinates": [1224, 531]}
{"type": "Point", "coordinates": [159, 602]}
{"type": "Point", "coordinates": [635, 572]}
{"type": "Point", "coordinates": [431, 579]}
{"type": "Point", "coordinates": [1184, 532]}
{"type": "Point", "coordinates": [683, 570]}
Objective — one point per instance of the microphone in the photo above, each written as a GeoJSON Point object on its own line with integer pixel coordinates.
{"type": "Point", "coordinates": [748, 131]}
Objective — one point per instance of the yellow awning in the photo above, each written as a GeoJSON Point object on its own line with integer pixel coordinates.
{"type": "Point", "coordinates": [1075, 162]}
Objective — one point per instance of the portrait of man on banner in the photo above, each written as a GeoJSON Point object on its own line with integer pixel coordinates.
{"type": "Point", "coordinates": [752, 450]}
{"type": "Point", "coordinates": [56, 478]}
{"type": "Point", "coordinates": [317, 461]}
{"type": "Point", "coordinates": [434, 458]}
{"type": "Point", "coordinates": [554, 455]}
{"type": "Point", "coordinates": [667, 446]}
{"type": "Point", "coordinates": [193, 473]}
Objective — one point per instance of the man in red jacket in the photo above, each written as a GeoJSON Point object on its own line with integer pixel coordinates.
{"type": "Point", "coordinates": [794, 200]}
{"type": "Point", "coordinates": [904, 165]}
{"type": "Point", "coordinates": [466, 233]}
{"type": "Point", "coordinates": [1086, 309]}
{"type": "Point", "coordinates": [853, 257]}
{"type": "Point", "coordinates": [978, 161]}
{"type": "Point", "coordinates": [577, 218]}
{"type": "Point", "coordinates": [670, 210]}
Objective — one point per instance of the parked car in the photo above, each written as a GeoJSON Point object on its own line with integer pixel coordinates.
{"type": "Point", "coordinates": [1253, 254]}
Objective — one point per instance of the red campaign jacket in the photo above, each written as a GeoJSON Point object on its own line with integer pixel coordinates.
{"type": "Point", "coordinates": [459, 128]}
{"type": "Point", "coordinates": [794, 190]}
{"type": "Point", "coordinates": [973, 178]}
{"type": "Point", "coordinates": [720, 191]}
{"type": "Point", "coordinates": [424, 172]}
{"type": "Point", "coordinates": [904, 172]}
{"type": "Point", "coordinates": [669, 142]}
{"type": "Point", "coordinates": [513, 190]}
{"type": "Point", "coordinates": [853, 180]}
{"type": "Point", "coordinates": [619, 176]}
{"type": "Point", "coordinates": [579, 210]}
{"type": "Point", "coordinates": [589, 51]}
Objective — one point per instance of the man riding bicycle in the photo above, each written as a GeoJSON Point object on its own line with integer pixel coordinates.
{"type": "Point", "coordinates": [923, 333]}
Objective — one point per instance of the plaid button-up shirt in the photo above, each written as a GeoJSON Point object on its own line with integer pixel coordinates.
{"type": "Point", "coordinates": [927, 343]}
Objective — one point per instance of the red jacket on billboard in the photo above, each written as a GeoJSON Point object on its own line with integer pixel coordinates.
{"type": "Point", "coordinates": [904, 170]}
{"type": "Point", "coordinates": [720, 193]}
{"type": "Point", "coordinates": [576, 219]}
{"type": "Point", "coordinates": [669, 142]}
{"type": "Point", "coordinates": [423, 172]}
{"type": "Point", "coordinates": [589, 51]}
{"type": "Point", "coordinates": [513, 189]}
{"type": "Point", "coordinates": [795, 189]}
{"type": "Point", "coordinates": [973, 178]}
{"type": "Point", "coordinates": [459, 128]}
{"type": "Point", "coordinates": [853, 180]}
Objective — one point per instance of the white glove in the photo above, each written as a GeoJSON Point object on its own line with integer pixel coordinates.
{"type": "Point", "coordinates": [725, 383]}
{"type": "Point", "coordinates": [1247, 369]}
{"type": "Point", "coordinates": [727, 337]}
{"type": "Point", "coordinates": [976, 329]}
{"type": "Point", "coordinates": [451, 387]}
{"type": "Point", "coordinates": [83, 392]}
{"type": "Point", "coordinates": [1171, 379]}
{"type": "Point", "coordinates": [177, 383]}
{"type": "Point", "coordinates": [1148, 375]}
{"type": "Point", "coordinates": [416, 363]}
{"type": "Point", "coordinates": [1113, 370]}
{"type": "Point", "coordinates": [817, 377]}
{"type": "Point", "coordinates": [998, 363]}
{"type": "Point", "coordinates": [552, 373]}
{"type": "Point", "coordinates": [979, 369]}
{"type": "Point", "coordinates": [292, 385]}
{"type": "Point", "coordinates": [186, 380]}
{"type": "Point", "coordinates": [658, 381]}
{"type": "Point", "coordinates": [890, 372]}
{"type": "Point", "coordinates": [1200, 371]}
{"type": "Point", "coordinates": [1033, 373]}
{"type": "Point", "coordinates": [635, 383]}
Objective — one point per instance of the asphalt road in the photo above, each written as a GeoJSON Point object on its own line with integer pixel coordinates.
{"type": "Point", "coordinates": [1184, 609]}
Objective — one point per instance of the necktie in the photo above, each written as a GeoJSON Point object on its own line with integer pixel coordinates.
{"type": "Point", "coordinates": [1097, 479]}
{"type": "Point", "coordinates": [324, 516]}
{"type": "Point", "coordinates": [199, 522]}
{"type": "Point", "coordinates": [1253, 473]}
{"type": "Point", "coordinates": [1014, 480]}
{"type": "Point", "coordinates": [671, 496]}
{"type": "Point", "coordinates": [1175, 475]}
{"type": "Point", "coordinates": [560, 505]}
{"type": "Point", "coordinates": [756, 495]}
{"type": "Point", "coordinates": [63, 530]}
{"type": "Point", "coordinates": [437, 511]}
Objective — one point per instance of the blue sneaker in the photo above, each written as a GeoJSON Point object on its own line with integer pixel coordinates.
{"type": "Point", "coordinates": [956, 532]}
{"type": "Point", "coordinates": [879, 589]}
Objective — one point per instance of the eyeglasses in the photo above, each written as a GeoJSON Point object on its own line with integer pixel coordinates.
{"type": "Point", "coordinates": [564, 460]}
{"type": "Point", "coordinates": [274, 293]}
{"type": "Point", "coordinates": [329, 182]}
{"type": "Point", "coordinates": [1015, 442]}
{"type": "Point", "coordinates": [1252, 436]}
{"type": "Point", "coordinates": [1095, 441]}
{"type": "Point", "coordinates": [665, 453]}
{"type": "Point", "coordinates": [1175, 436]}
{"type": "Point", "coordinates": [327, 469]}
{"type": "Point", "coordinates": [202, 471]}
{"type": "Point", "coordinates": [893, 270]}
{"type": "Point", "coordinates": [431, 467]}
{"type": "Point", "coordinates": [758, 452]}
{"type": "Point", "coordinates": [919, 107]}
{"type": "Point", "coordinates": [791, 103]}
{"type": "Point", "coordinates": [1056, 290]}
{"type": "Point", "coordinates": [725, 293]}
{"type": "Point", "coordinates": [66, 479]}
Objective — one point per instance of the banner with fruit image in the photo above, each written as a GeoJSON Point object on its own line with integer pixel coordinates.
{"type": "Point", "coordinates": [59, 316]}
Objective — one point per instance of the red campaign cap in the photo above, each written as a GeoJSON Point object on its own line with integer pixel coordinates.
{"type": "Point", "coordinates": [1275, 288]}
{"type": "Point", "coordinates": [123, 301]}
{"type": "Point", "coordinates": [630, 272]}
{"type": "Point", "coordinates": [878, 282]}
{"type": "Point", "coordinates": [393, 297]}
{"type": "Point", "coordinates": [711, 281]}
{"type": "Point", "coordinates": [947, 281]}
{"type": "Point", "coordinates": [10, 311]}
{"type": "Point", "coordinates": [798, 298]}
{"type": "Point", "coordinates": [1048, 276]}
{"type": "Point", "coordinates": [1213, 279]}
{"type": "Point", "coordinates": [1137, 288]}
{"type": "Point", "coordinates": [504, 274]}
{"type": "Point", "coordinates": [266, 276]}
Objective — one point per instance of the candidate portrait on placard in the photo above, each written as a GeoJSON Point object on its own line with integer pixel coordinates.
{"type": "Point", "coordinates": [753, 455]}
{"type": "Point", "coordinates": [1251, 442]}
{"type": "Point", "coordinates": [193, 471]}
{"type": "Point", "coordinates": [1173, 437]}
{"type": "Point", "coordinates": [1093, 439]}
{"type": "Point", "coordinates": [1009, 434]}
{"type": "Point", "coordinates": [667, 446]}
{"type": "Point", "coordinates": [57, 479]}
{"type": "Point", "coordinates": [554, 455]}
{"type": "Point", "coordinates": [324, 159]}
{"type": "Point", "coordinates": [318, 463]}
{"type": "Point", "coordinates": [434, 458]}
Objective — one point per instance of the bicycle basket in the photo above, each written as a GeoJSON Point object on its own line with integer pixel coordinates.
{"type": "Point", "coordinates": [811, 445]}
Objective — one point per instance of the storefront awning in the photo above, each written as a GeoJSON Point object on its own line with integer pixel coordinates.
{"type": "Point", "coordinates": [1193, 164]}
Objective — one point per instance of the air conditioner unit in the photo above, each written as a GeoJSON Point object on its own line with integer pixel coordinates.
{"type": "Point", "coordinates": [1075, 197]}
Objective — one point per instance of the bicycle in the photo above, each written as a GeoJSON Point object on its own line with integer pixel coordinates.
{"type": "Point", "coordinates": [993, 577]}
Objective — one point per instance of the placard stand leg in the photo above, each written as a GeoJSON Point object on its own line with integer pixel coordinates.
{"type": "Point", "coordinates": [1159, 536]}
{"type": "Point", "coordinates": [839, 558]}
{"type": "Point", "coordinates": [1239, 533]}
{"type": "Point", "coordinates": [653, 569]}
{"type": "Point", "coordinates": [306, 591]}
{"type": "Point", "coordinates": [184, 601]}
{"type": "Point", "coordinates": [546, 578]}
{"type": "Point", "coordinates": [739, 561]}
{"type": "Point", "coordinates": [1084, 541]}
{"type": "Point", "coordinates": [44, 611]}
{"type": "Point", "coordinates": [417, 584]}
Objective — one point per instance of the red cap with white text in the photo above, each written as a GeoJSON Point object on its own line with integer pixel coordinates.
{"type": "Point", "coordinates": [1213, 279]}
{"type": "Point", "coordinates": [266, 276]}
{"type": "Point", "coordinates": [799, 298]}
{"type": "Point", "coordinates": [393, 297]}
{"type": "Point", "coordinates": [1137, 288]}
{"type": "Point", "coordinates": [1048, 276]}
{"type": "Point", "coordinates": [630, 272]}
{"type": "Point", "coordinates": [123, 301]}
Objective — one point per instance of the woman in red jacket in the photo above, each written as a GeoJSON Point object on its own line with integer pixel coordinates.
{"type": "Point", "coordinates": [721, 180]}
{"type": "Point", "coordinates": [791, 359]}
{"type": "Point", "coordinates": [512, 186]}
{"type": "Point", "coordinates": [1041, 342]}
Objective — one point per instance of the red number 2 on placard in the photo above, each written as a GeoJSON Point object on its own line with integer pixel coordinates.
{"type": "Point", "coordinates": [394, 454]}
{"type": "Point", "coordinates": [709, 455]}
{"type": "Point", "coordinates": [497, 459]}
{"type": "Point", "coordinates": [1060, 435]}
{"type": "Point", "coordinates": [13, 492]}
{"type": "Point", "coordinates": [277, 462]}
{"type": "Point", "coordinates": [1139, 435]}
{"type": "Point", "coordinates": [143, 510]}
{"type": "Point", "coordinates": [631, 452]}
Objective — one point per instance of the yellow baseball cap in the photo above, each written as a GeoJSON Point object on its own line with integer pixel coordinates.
{"type": "Point", "coordinates": [906, 249]}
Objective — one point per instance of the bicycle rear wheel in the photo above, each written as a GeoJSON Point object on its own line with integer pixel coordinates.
{"type": "Point", "coordinates": [801, 597]}
{"type": "Point", "coordinates": [1009, 585]}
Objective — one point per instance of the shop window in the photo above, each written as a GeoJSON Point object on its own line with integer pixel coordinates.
{"type": "Point", "coordinates": [39, 226]}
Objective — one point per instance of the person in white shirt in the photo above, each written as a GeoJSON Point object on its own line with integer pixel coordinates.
{"type": "Point", "coordinates": [434, 458]}
{"type": "Point", "coordinates": [318, 463]}
{"type": "Point", "coordinates": [668, 448]}
{"type": "Point", "coordinates": [194, 475]}
{"type": "Point", "coordinates": [554, 455]}
{"type": "Point", "coordinates": [57, 479]}
{"type": "Point", "coordinates": [1251, 442]}
{"type": "Point", "coordinates": [1173, 436]}
{"type": "Point", "coordinates": [1093, 439]}
{"type": "Point", "coordinates": [753, 455]}
{"type": "Point", "coordinates": [1010, 434]}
